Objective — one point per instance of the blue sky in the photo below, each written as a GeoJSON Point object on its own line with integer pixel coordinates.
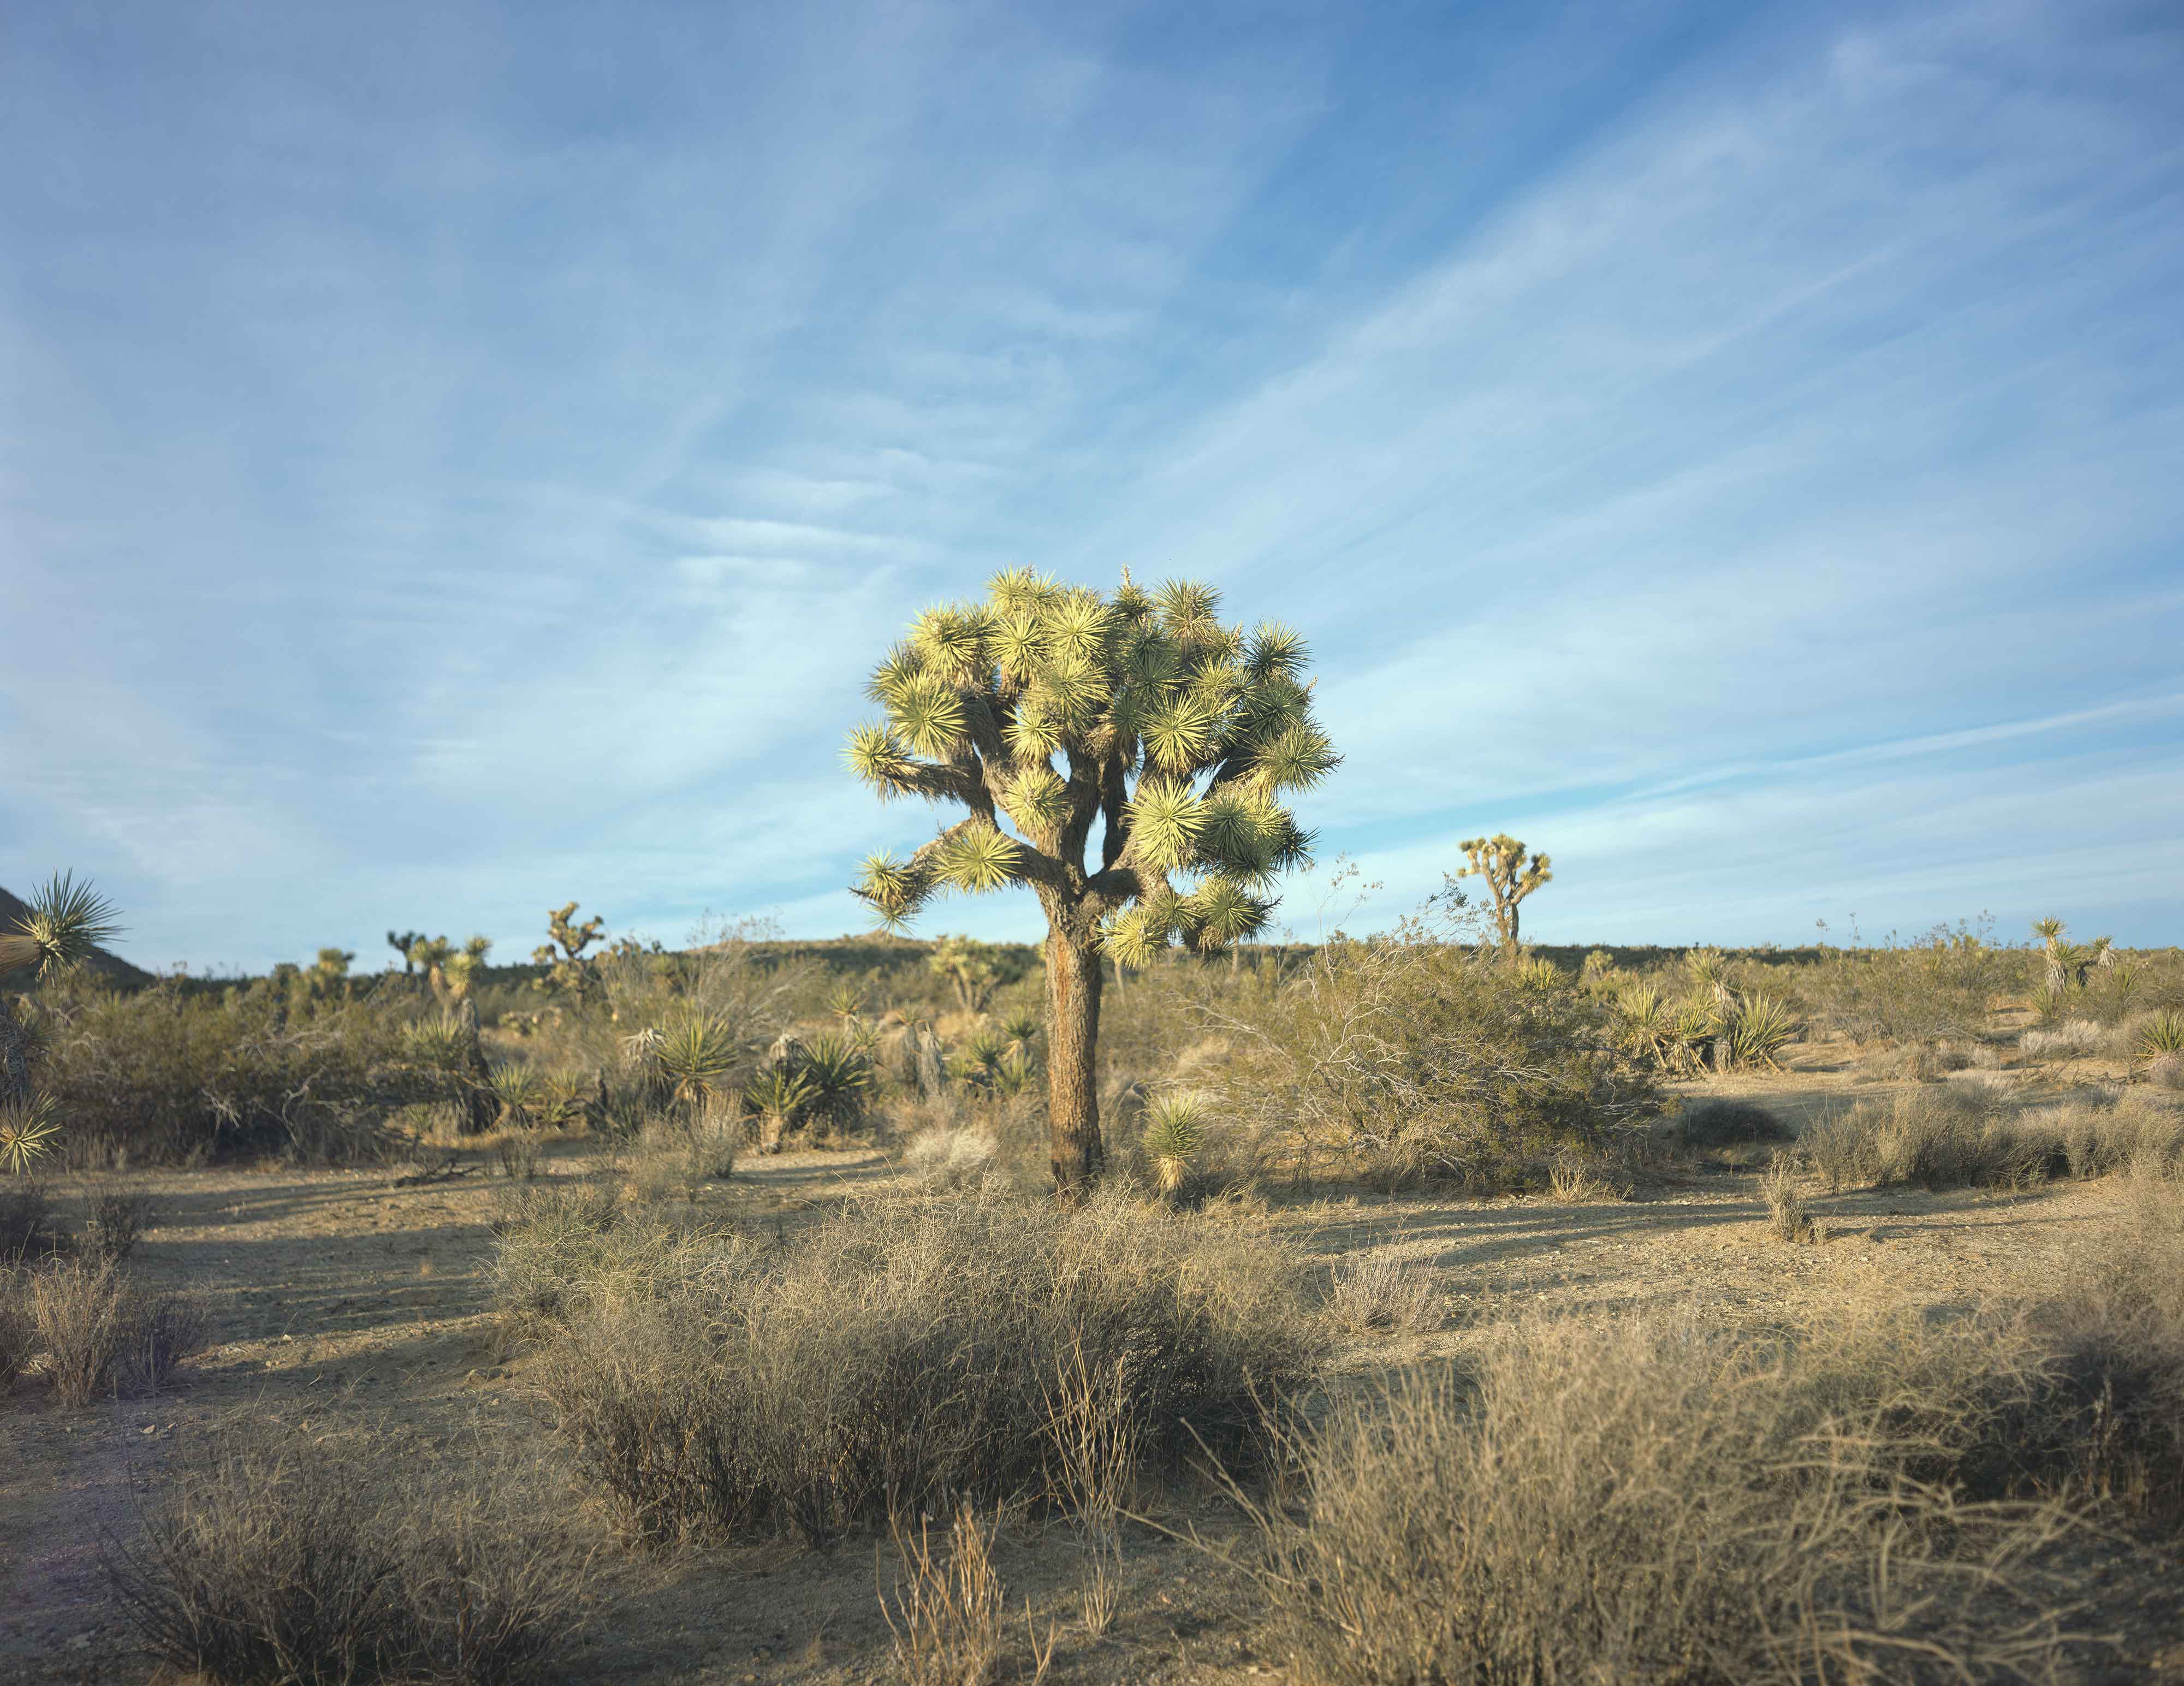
{"type": "Point", "coordinates": [454, 457]}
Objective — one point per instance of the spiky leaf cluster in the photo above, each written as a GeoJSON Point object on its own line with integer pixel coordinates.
{"type": "Point", "coordinates": [61, 925]}
{"type": "Point", "coordinates": [1044, 708]}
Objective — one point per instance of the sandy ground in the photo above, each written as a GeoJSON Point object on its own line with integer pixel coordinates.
{"type": "Point", "coordinates": [340, 1296]}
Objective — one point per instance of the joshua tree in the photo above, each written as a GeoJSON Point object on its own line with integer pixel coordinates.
{"type": "Point", "coordinates": [402, 941]}
{"type": "Point", "coordinates": [1510, 876]}
{"type": "Point", "coordinates": [1046, 708]}
{"type": "Point", "coordinates": [62, 923]}
{"type": "Point", "coordinates": [562, 953]}
{"type": "Point", "coordinates": [970, 969]}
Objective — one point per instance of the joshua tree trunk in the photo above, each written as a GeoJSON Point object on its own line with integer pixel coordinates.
{"type": "Point", "coordinates": [1072, 1038]}
{"type": "Point", "coordinates": [482, 1108]}
{"type": "Point", "coordinates": [15, 1062]}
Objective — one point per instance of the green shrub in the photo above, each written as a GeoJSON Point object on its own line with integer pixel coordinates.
{"type": "Point", "coordinates": [1944, 1137]}
{"type": "Point", "coordinates": [898, 1354]}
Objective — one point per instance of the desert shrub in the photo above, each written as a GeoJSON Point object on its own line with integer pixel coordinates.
{"type": "Point", "coordinates": [1728, 1123]}
{"type": "Point", "coordinates": [178, 1071]}
{"type": "Point", "coordinates": [26, 1223]}
{"type": "Point", "coordinates": [2072, 1039]}
{"type": "Point", "coordinates": [945, 1611]}
{"type": "Point", "coordinates": [1941, 986]}
{"type": "Point", "coordinates": [101, 1335]}
{"type": "Point", "coordinates": [2161, 1033]}
{"type": "Point", "coordinates": [1933, 1139]}
{"type": "Point", "coordinates": [269, 1562]}
{"type": "Point", "coordinates": [1657, 1499]}
{"type": "Point", "coordinates": [895, 1354]}
{"type": "Point", "coordinates": [1414, 1058]}
{"type": "Point", "coordinates": [114, 1223]}
{"type": "Point", "coordinates": [2166, 1071]}
{"type": "Point", "coordinates": [580, 1244]}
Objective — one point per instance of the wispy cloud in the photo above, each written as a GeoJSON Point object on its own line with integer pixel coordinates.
{"type": "Point", "coordinates": [447, 480]}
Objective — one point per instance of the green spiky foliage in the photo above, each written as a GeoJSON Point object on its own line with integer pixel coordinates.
{"type": "Point", "coordinates": [838, 1075]}
{"type": "Point", "coordinates": [29, 1124]}
{"type": "Point", "coordinates": [2163, 1033]}
{"type": "Point", "coordinates": [1761, 1028]}
{"type": "Point", "coordinates": [520, 1092]}
{"type": "Point", "coordinates": [402, 941]}
{"type": "Point", "coordinates": [568, 971]}
{"type": "Point", "coordinates": [777, 1097]}
{"type": "Point", "coordinates": [1511, 873]}
{"type": "Point", "coordinates": [1021, 1026]}
{"type": "Point", "coordinates": [846, 1000]}
{"type": "Point", "coordinates": [60, 926]}
{"type": "Point", "coordinates": [1044, 710]}
{"type": "Point", "coordinates": [330, 971]}
{"type": "Point", "coordinates": [1174, 1135]}
{"type": "Point", "coordinates": [695, 1055]}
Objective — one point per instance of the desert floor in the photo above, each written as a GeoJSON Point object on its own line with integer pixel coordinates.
{"type": "Point", "coordinates": [353, 1305]}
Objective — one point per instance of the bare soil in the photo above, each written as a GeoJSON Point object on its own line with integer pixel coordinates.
{"type": "Point", "coordinates": [341, 1299]}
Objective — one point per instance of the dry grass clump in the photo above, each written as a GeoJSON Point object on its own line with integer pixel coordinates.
{"type": "Point", "coordinates": [943, 1159]}
{"type": "Point", "coordinates": [100, 1335]}
{"type": "Point", "coordinates": [1787, 1219]}
{"type": "Point", "coordinates": [19, 1335]}
{"type": "Point", "coordinates": [945, 1614]}
{"type": "Point", "coordinates": [2072, 1039]}
{"type": "Point", "coordinates": [1656, 1500]}
{"type": "Point", "coordinates": [902, 1354]}
{"type": "Point", "coordinates": [270, 1562]}
{"type": "Point", "coordinates": [1377, 1293]}
{"type": "Point", "coordinates": [2166, 1071]}
{"type": "Point", "coordinates": [1951, 1139]}
{"type": "Point", "coordinates": [562, 1244]}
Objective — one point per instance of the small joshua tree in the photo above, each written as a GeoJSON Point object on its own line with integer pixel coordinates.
{"type": "Point", "coordinates": [1044, 709]}
{"type": "Point", "coordinates": [1511, 875]}
{"type": "Point", "coordinates": [61, 924]}
{"type": "Point", "coordinates": [402, 941]}
{"type": "Point", "coordinates": [567, 971]}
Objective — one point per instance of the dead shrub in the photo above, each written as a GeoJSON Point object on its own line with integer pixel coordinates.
{"type": "Point", "coordinates": [1650, 1499]}
{"type": "Point", "coordinates": [272, 1562]}
{"type": "Point", "coordinates": [2073, 1039]}
{"type": "Point", "coordinates": [900, 1354]}
{"type": "Point", "coordinates": [115, 1223]}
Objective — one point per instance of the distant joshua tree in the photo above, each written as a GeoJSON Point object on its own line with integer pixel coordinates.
{"type": "Point", "coordinates": [1511, 875]}
{"type": "Point", "coordinates": [402, 941]}
{"type": "Point", "coordinates": [1048, 708]}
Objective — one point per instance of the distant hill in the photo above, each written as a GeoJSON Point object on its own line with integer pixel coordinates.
{"type": "Point", "coordinates": [100, 964]}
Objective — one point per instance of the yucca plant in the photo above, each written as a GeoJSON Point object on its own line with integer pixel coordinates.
{"type": "Point", "coordinates": [846, 1000]}
{"type": "Point", "coordinates": [1539, 973]}
{"type": "Point", "coordinates": [839, 1075]}
{"type": "Point", "coordinates": [1511, 873]}
{"type": "Point", "coordinates": [567, 1097]}
{"type": "Point", "coordinates": [1645, 1025]}
{"type": "Point", "coordinates": [1043, 709]}
{"type": "Point", "coordinates": [1014, 1072]}
{"type": "Point", "coordinates": [694, 1054]}
{"type": "Point", "coordinates": [1021, 1026]}
{"type": "Point", "coordinates": [2163, 1033]}
{"type": "Point", "coordinates": [1175, 1132]}
{"type": "Point", "coordinates": [60, 926]}
{"type": "Point", "coordinates": [518, 1091]}
{"type": "Point", "coordinates": [1761, 1028]}
{"type": "Point", "coordinates": [777, 1096]}
{"type": "Point", "coordinates": [28, 1126]}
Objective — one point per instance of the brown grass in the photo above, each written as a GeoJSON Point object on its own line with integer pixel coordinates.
{"type": "Point", "coordinates": [101, 1336]}
{"type": "Point", "coordinates": [271, 1561]}
{"type": "Point", "coordinates": [902, 1353]}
